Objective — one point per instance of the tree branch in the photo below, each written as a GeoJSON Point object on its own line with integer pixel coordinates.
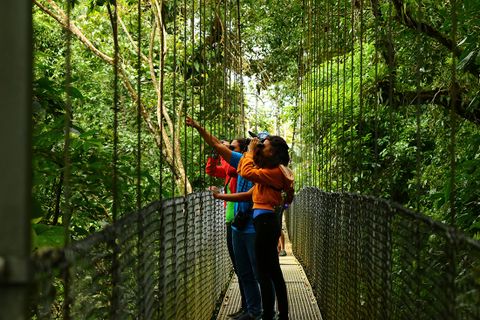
{"type": "Point", "coordinates": [129, 36]}
{"type": "Point", "coordinates": [405, 17]}
{"type": "Point", "coordinates": [62, 19]}
{"type": "Point", "coordinates": [440, 97]}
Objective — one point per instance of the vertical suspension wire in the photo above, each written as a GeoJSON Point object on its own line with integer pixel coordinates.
{"type": "Point", "coordinates": [174, 98]}
{"type": "Point", "coordinates": [418, 79]}
{"type": "Point", "coordinates": [330, 98]}
{"type": "Point", "coordinates": [138, 102]}
{"type": "Point", "coordinates": [236, 68]}
{"type": "Point", "coordinates": [318, 67]}
{"type": "Point", "coordinates": [354, 219]}
{"type": "Point", "coordinates": [300, 100]}
{"type": "Point", "coordinates": [391, 75]}
{"type": "Point", "coordinates": [322, 117]}
{"type": "Point", "coordinates": [67, 125]}
{"type": "Point", "coordinates": [202, 91]}
{"type": "Point", "coordinates": [320, 92]}
{"type": "Point", "coordinates": [115, 306]}
{"type": "Point", "coordinates": [182, 281]}
{"type": "Point", "coordinates": [161, 164]}
{"type": "Point", "coordinates": [192, 85]}
{"type": "Point", "coordinates": [67, 161]}
{"type": "Point", "coordinates": [185, 98]}
{"type": "Point", "coordinates": [360, 95]}
{"type": "Point", "coordinates": [453, 123]}
{"type": "Point", "coordinates": [313, 106]}
{"type": "Point", "coordinates": [141, 283]}
{"type": "Point", "coordinates": [228, 67]}
{"type": "Point", "coordinates": [313, 118]}
{"type": "Point", "coordinates": [310, 95]}
{"type": "Point", "coordinates": [222, 45]}
{"type": "Point", "coordinates": [344, 92]}
{"type": "Point", "coordinates": [300, 132]}
{"type": "Point", "coordinates": [418, 84]}
{"type": "Point", "coordinates": [116, 108]}
{"type": "Point", "coordinates": [352, 104]}
{"type": "Point", "coordinates": [375, 108]}
{"type": "Point", "coordinates": [337, 102]}
{"type": "Point", "coordinates": [240, 67]}
{"type": "Point", "coordinates": [326, 104]}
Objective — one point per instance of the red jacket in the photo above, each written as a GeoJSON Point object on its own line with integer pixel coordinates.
{"type": "Point", "coordinates": [219, 168]}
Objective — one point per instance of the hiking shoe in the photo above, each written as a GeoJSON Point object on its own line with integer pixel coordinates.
{"type": "Point", "coordinates": [282, 253]}
{"type": "Point", "coordinates": [248, 316]}
{"type": "Point", "coordinates": [237, 314]}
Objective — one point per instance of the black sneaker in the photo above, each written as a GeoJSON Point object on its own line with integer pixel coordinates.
{"type": "Point", "coordinates": [236, 314]}
{"type": "Point", "coordinates": [248, 316]}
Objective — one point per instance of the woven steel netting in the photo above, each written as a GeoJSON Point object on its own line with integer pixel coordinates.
{"type": "Point", "coordinates": [167, 261]}
{"type": "Point", "coordinates": [367, 258]}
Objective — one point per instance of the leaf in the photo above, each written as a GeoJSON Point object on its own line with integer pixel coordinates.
{"type": "Point", "coordinates": [469, 59]}
{"type": "Point", "coordinates": [75, 93]}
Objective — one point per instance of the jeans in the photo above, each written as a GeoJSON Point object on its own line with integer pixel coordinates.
{"type": "Point", "coordinates": [232, 258]}
{"type": "Point", "coordinates": [270, 275]}
{"type": "Point", "coordinates": [244, 249]}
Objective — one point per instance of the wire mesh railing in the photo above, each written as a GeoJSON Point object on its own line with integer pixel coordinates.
{"type": "Point", "coordinates": [367, 258]}
{"type": "Point", "coordinates": [167, 261]}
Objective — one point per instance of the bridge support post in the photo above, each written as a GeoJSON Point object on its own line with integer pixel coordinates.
{"type": "Point", "coordinates": [15, 158]}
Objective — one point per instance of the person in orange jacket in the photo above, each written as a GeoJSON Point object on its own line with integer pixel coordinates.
{"type": "Point", "coordinates": [265, 164]}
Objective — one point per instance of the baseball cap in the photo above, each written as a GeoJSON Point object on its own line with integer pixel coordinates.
{"type": "Point", "coordinates": [262, 135]}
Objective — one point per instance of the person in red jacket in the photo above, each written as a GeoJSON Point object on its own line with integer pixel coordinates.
{"type": "Point", "coordinates": [219, 168]}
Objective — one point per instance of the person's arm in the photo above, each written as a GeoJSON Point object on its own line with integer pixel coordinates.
{"type": "Point", "coordinates": [233, 197]}
{"type": "Point", "coordinates": [290, 193]}
{"type": "Point", "coordinates": [210, 139]}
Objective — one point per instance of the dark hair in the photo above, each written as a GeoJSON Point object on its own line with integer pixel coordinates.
{"type": "Point", "coordinates": [243, 143]}
{"type": "Point", "coordinates": [280, 149]}
{"type": "Point", "coordinates": [279, 153]}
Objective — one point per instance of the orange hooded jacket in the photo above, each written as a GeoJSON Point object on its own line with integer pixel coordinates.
{"type": "Point", "coordinates": [269, 183]}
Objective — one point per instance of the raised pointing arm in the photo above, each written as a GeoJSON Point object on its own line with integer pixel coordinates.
{"type": "Point", "coordinates": [211, 140]}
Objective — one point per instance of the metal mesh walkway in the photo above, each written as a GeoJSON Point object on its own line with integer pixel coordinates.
{"type": "Point", "coordinates": [302, 302]}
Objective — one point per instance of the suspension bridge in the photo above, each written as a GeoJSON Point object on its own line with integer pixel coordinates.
{"type": "Point", "coordinates": [163, 254]}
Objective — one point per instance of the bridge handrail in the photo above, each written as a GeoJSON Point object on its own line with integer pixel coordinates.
{"type": "Point", "coordinates": [167, 261]}
{"type": "Point", "coordinates": [369, 258]}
